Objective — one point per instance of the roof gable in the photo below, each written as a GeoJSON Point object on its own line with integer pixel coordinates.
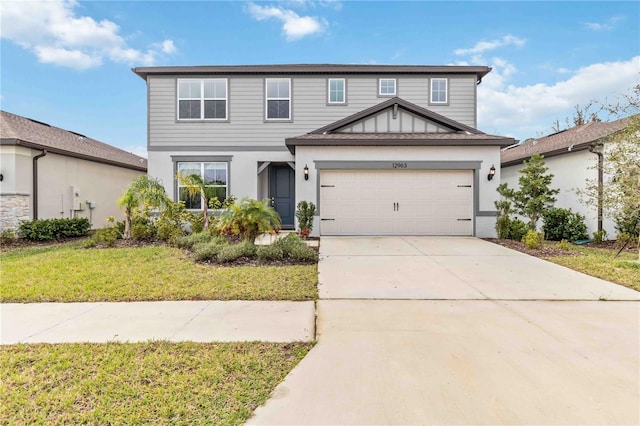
{"type": "Point", "coordinates": [365, 121]}
{"type": "Point", "coordinates": [396, 122]}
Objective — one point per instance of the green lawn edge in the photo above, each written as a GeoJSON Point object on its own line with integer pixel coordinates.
{"type": "Point", "coordinates": [69, 273]}
{"type": "Point", "coordinates": [155, 382]}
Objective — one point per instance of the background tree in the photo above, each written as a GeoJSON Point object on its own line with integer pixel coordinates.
{"type": "Point", "coordinates": [143, 190]}
{"type": "Point", "coordinates": [534, 197]}
{"type": "Point", "coordinates": [619, 194]}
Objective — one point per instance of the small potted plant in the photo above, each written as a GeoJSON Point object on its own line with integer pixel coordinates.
{"type": "Point", "coordinates": [304, 214]}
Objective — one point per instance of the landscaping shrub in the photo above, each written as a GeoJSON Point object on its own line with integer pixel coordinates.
{"type": "Point", "coordinates": [623, 239]}
{"type": "Point", "coordinates": [230, 253]}
{"type": "Point", "coordinates": [270, 252]}
{"type": "Point", "coordinates": [303, 253]}
{"type": "Point", "coordinates": [517, 230]}
{"type": "Point", "coordinates": [628, 222]}
{"type": "Point", "coordinates": [532, 240]}
{"type": "Point", "coordinates": [103, 237]}
{"type": "Point", "coordinates": [288, 243]}
{"type": "Point", "coordinates": [189, 241]}
{"type": "Point", "coordinates": [249, 218]}
{"type": "Point", "coordinates": [563, 224]}
{"type": "Point", "coordinates": [564, 245]}
{"type": "Point", "coordinates": [247, 248]}
{"type": "Point", "coordinates": [207, 251]}
{"type": "Point", "coordinates": [503, 221]}
{"type": "Point", "coordinates": [8, 236]}
{"type": "Point", "coordinates": [600, 236]}
{"type": "Point", "coordinates": [142, 231]}
{"type": "Point", "coordinates": [54, 229]}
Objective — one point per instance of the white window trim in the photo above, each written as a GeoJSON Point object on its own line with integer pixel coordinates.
{"type": "Point", "coordinates": [202, 163]}
{"type": "Point", "coordinates": [267, 99]}
{"type": "Point", "coordinates": [395, 87]}
{"type": "Point", "coordinates": [344, 91]}
{"type": "Point", "coordinates": [202, 99]}
{"type": "Point", "coordinates": [446, 91]}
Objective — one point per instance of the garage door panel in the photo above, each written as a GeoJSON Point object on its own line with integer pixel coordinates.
{"type": "Point", "coordinates": [363, 202]}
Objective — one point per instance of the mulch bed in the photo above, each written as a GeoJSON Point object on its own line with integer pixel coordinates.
{"type": "Point", "coordinates": [543, 251]}
{"type": "Point", "coordinates": [552, 251]}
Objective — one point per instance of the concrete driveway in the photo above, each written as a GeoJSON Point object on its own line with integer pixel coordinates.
{"type": "Point", "coordinates": [492, 337]}
{"type": "Point", "coordinates": [449, 268]}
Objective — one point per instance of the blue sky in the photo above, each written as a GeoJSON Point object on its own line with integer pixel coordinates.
{"type": "Point", "coordinates": [68, 63]}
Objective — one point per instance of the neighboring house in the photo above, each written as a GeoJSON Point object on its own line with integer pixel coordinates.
{"type": "Point", "coordinates": [572, 157]}
{"type": "Point", "coordinates": [47, 172]}
{"type": "Point", "coordinates": [381, 150]}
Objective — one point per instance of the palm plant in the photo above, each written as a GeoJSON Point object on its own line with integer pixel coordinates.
{"type": "Point", "coordinates": [250, 218]}
{"type": "Point", "coordinates": [142, 190]}
{"type": "Point", "coordinates": [196, 187]}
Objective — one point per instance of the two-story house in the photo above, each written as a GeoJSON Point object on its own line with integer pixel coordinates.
{"type": "Point", "coordinates": [380, 149]}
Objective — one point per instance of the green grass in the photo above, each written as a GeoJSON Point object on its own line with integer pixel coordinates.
{"type": "Point", "coordinates": [69, 273]}
{"type": "Point", "coordinates": [600, 263]}
{"type": "Point", "coordinates": [143, 383]}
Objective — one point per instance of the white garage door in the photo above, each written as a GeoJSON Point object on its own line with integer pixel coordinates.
{"type": "Point", "coordinates": [396, 202]}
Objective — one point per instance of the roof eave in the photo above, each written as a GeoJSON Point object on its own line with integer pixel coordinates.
{"type": "Point", "coordinates": [479, 71]}
{"type": "Point", "coordinates": [32, 145]}
{"type": "Point", "coordinates": [291, 143]}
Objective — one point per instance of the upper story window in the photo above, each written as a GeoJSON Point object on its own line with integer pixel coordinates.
{"type": "Point", "coordinates": [439, 91]}
{"type": "Point", "coordinates": [278, 98]}
{"type": "Point", "coordinates": [213, 174]}
{"type": "Point", "coordinates": [387, 87]}
{"type": "Point", "coordinates": [202, 99]}
{"type": "Point", "coordinates": [337, 91]}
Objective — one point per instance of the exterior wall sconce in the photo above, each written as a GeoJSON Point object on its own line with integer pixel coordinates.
{"type": "Point", "coordinates": [1, 177]}
{"type": "Point", "coordinates": [492, 173]}
{"type": "Point", "coordinates": [306, 172]}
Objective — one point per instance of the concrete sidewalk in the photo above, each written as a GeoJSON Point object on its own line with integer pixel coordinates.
{"type": "Point", "coordinates": [198, 321]}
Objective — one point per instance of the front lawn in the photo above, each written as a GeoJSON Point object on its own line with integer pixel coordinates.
{"type": "Point", "coordinates": [141, 383]}
{"type": "Point", "coordinates": [595, 261]}
{"type": "Point", "coordinates": [600, 263]}
{"type": "Point", "coordinates": [69, 273]}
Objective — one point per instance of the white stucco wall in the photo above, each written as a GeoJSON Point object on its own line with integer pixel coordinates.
{"type": "Point", "coordinates": [243, 169]}
{"type": "Point", "coordinates": [484, 225]}
{"type": "Point", "coordinates": [571, 172]}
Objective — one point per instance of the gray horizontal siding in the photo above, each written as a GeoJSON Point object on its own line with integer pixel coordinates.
{"type": "Point", "coordinates": [246, 125]}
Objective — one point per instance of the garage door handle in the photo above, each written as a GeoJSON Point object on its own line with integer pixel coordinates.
{"type": "Point", "coordinates": [327, 186]}
{"type": "Point", "coordinates": [327, 219]}
{"type": "Point", "coordinates": [465, 220]}
{"type": "Point", "coordinates": [464, 186]}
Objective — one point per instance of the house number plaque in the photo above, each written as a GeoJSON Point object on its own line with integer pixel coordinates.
{"type": "Point", "coordinates": [399, 165]}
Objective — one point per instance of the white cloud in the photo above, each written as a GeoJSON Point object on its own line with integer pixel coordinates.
{"type": "Point", "coordinates": [294, 26]}
{"type": "Point", "coordinates": [529, 111]}
{"type": "Point", "coordinates": [484, 46]}
{"type": "Point", "coordinates": [607, 25]}
{"type": "Point", "coordinates": [56, 35]}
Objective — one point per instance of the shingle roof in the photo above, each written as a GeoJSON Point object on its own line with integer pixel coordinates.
{"type": "Point", "coordinates": [574, 139]}
{"type": "Point", "coordinates": [479, 71]}
{"type": "Point", "coordinates": [15, 129]}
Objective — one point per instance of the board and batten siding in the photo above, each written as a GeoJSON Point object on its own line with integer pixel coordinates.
{"type": "Point", "coordinates": [246, 125]}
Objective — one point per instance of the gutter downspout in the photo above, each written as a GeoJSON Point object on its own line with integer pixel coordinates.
{"type": "Point", "coordinates": [592, 149]}
{"type": "Point", "coordinates": [35, 182]}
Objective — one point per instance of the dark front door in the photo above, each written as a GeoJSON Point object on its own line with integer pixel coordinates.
{"type": "Point", "coordinates": [282, 182]}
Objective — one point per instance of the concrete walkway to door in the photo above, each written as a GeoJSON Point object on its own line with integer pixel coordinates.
{"type": "Point", "coordinates": [492, 337]}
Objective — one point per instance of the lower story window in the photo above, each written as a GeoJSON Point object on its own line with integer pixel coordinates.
{"type": "Point", "coordinates": [214, 176]}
